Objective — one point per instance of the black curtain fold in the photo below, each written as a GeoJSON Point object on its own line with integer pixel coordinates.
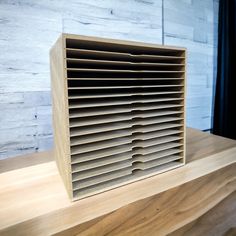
{"type": "Point", "coordinates": [224, 121]}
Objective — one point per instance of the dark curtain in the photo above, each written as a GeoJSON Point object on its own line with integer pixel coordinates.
{"type": "Point", "coordinates": [224, 122]}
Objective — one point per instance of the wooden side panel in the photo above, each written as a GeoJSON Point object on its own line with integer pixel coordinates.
{"type": "Point", "coordinates": [60, 112]}
{"type": "Point", "coordinates": [185, 105]}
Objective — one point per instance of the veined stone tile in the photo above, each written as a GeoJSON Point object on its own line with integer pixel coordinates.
{"type": "Point", "coordinates": [8, 135]}
{"type": "Point", "coordinates": [19, 146]}
{"type": "Point", "coordinates": [198, 91]}
{"type": "Point", "coordinates": [17, 114]}
{"type": "Point", "coordinates": [179, 17]}
{"type": "Point", "coordinates": [146, 5]}
{"type": "Point", "coordinates": [197, 80]}
{"type": "Point", "coordinates": [202, 123]}
{"type": "Point", "coordinates": [198, 101]}
{"type": "Point", "coordinates": [11, 98]}
{"type": "Point", "coordinates": [44, 142]}
{"type": "Point", "coordinates": [24, 81]}
{"type": "Point", "coordinates": [37, 98]}
{"type": "Point", "coordinates": [44, 129]}
{"type": "Point", "coordinates": [178, 30]}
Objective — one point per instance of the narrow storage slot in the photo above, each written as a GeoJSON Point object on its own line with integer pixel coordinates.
{"type": "Point", "coordinates": [134, 114]}
{"type": "Point", "coordinates": [85, 139]}
{"type": "Point", "coordinates": [97, 102]}
{"type": "Point", "coordinates": [109, 73]}
{"type": "Point", "coordinates": [96, 154]}
{"type": "Point", "coordinates": [80, 184]}
{"type": "Point", "coordinates": [101, 187]}
{"type": "Point", "coordinates": [122, 48]}
{"type": "Point", "coordinates": [116, 109]}
{"type": "Point", "coordinates": [96, 83]}
{"type": "Point", "coordinates": [100, 145]}
{"type": "Point", "coordinates": [156, 169]}
{"type": "Point", "coordinates": [119, 56]}
{"type": "Point", "coordinates": [90, 172]}
{"type": "Point", "coordinates": [123, 65]}
{"type": "Point", "coordinates": [155, 148]}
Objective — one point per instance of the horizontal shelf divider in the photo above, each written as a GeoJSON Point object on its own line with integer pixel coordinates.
{"type": "Point", "coordinates": [125, 87]}
{"type": "Point", "coordinates": [82, 61]}
{"type": "Point", "coordinates": [137, 139]}
{"type": "Point", "coordinates": [126, 71]}
{"type": "Point", "coordinates": [76, 168]}
{"type": "Point", "coordinates": [115, 55]}
{"type": "Point", "coordinates": [101, 153]}
{"type": "Point", "coordinates": [156, 156]}
{"type": "Point", "coordinates": [163, 158]}
{"type": "Point", "coordinates": [154, 163]}
{"type": "Point", "coordinates": [82, 183]}
{"type": "Point", "coordinates": [80, 158]}
{"type": "Point", "coordinates": [121, 125]}
{"type": "Point", "coordinates": [137, 164]}
{"type": "Point", "coordinates": [126, 101]}
{"type": "Point", "coordinates": [117, 174]}
{"type": "Point", "coordinates": [121, 109]}
{"type": "Point", "coordinates": [116, 182]}
{"type": "Point", "coordinates": [124, 78]}
{"type": "Point", "coordinates": [114, 47]}
{"type": "Point", "coordinates": [123, 94]}
{"type": "Point", "coordinates": [156, 148]}
{"type": "Point", "coordinates": [104, 119]}
{"type": "Point", "coordinates": [84, 139]}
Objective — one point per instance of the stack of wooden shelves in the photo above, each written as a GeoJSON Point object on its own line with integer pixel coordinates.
{"type": "Point", "coordinates": [119, 111]}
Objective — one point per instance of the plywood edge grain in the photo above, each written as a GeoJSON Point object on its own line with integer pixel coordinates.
{"type": "Point", "coordinates": [60, 112]}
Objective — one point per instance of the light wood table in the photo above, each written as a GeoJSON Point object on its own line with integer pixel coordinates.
{"type": "Point", "coordinates": [197, 199]}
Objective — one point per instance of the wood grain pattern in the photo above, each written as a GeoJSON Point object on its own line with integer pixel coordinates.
{"type": "Point", "coordinates": [45, 209]}
{"type": "Point", "coordinates": [220, 220]}
{"type": "Point", "coordinates": [145, 87]}
{"type": "Point", "coordinates": [202, 144]}
{"type": "Point", "coordinates": [231, 232]}
{"type": "Point", "coordinates": [25, 161]}
{"type": "Point", "coordinates": [164, 212]}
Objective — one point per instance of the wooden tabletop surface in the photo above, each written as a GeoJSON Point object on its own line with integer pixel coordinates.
{"type": "Point", "coordinates": [33, 200]}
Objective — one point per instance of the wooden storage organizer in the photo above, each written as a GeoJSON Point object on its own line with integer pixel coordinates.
{"type": "Point", "coordinates": [118, 111]}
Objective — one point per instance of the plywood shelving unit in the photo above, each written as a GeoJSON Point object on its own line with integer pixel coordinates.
{"type": "Point", "coordinates": [119, 111]}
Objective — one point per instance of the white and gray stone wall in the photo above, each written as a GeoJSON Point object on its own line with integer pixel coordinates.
{"type": "Point", "coordinates": [28, 29]}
